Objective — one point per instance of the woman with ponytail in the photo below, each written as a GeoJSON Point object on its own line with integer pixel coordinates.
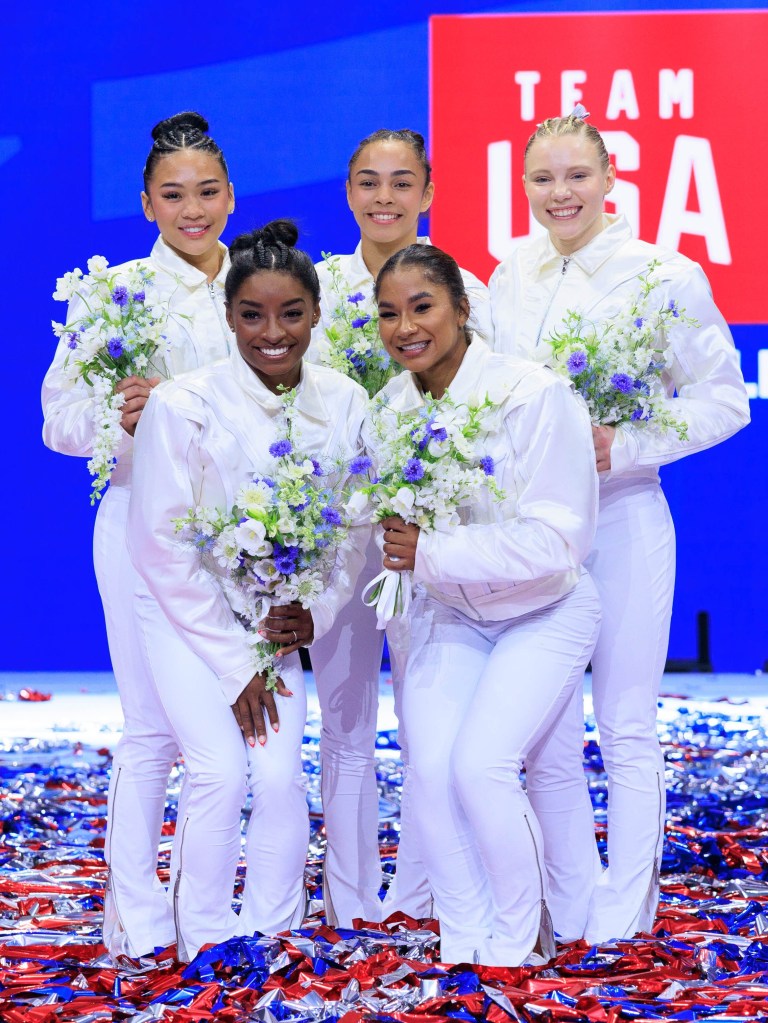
{"type": "Point", "coordinates": [200, 439]}
{"type": "Point", "coordinates": [188, 194]}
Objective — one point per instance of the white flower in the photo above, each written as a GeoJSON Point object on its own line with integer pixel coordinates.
{"type": "Point", "coordinates": [357, 504]}
{"type": "Point", "coordinates": [97, 266]}
{"type": "Point", "coordinates": [251, 535]}
{"type": "Point", "coordinates": [68, 285]}
{"type": "Point", "coordinates": [403, 501]}
{"type": "Point", "coordinates": [254, 497]}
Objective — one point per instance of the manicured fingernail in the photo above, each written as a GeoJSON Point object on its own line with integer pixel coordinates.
{"type": "Point", "coordinates": [263, 633]}
{"type": "Point", "coordinates": [251, 741]}
{"type": "Point", "coordinates": [288, 692]}
{"type": "Point", "coordinates": [275, 727]}
{"type": "Point", "coordinates": [262, 740]}
{"type": "Point", "coordinates": [278, 653]}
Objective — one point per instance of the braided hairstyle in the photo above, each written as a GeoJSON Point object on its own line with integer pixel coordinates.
{"type": "Point", "coordinates": [270, 249]}
{"type": "Point", "coordinates": [188, 130]}
{"type": "Point", "coordinates": [573, 124]}
{"type": "Point", "coordinates": [410, 138]}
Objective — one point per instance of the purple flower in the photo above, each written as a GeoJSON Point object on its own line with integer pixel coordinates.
{"type": "Point", "coordinates": [356, 360]}
{"type": "Point", "coordinates": [577, 362]}
{"type": "Point", "coordinates": [357, 297]}
{"type": "Point", "coordinates": [360, 465]}
{"type": "Point", "coordinates": [73, 339]}
{"type": "Point", "coordinates": [487, 465]}
{"type": "Point", "coordinates": [139, 296]}
{"type": "Point", "coordinates": [673, 307]}
{"type": "Point", "coordinates": [331, 516]}
{"type": "Point", "coordinates": [639, 322]}
{"type": "Point", "coordinates": [317, 469]}
{"type": "Point", "coordinates": [360, 321]}
{"type": "Point", "coordinates": [115, 347]}
{"type": "Point", "coordinates": [285, 558]}
{"type": "Point", "coordinates": [414, 470]}
{"type": "Point", "coordinates": [622, 382]}
{"type": "Point", "coordinates": [120, 295]}
{"type": "Point", "coordinates": [280, 448]}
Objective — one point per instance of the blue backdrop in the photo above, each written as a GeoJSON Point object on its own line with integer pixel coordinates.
{"type": "Point", "coordinates": [289, 90]}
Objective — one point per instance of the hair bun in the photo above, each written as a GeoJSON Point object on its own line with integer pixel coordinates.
{"type": "Point", "coordinates": [188, 119]}
{"type": "Point", "coordinates": [283, 232]}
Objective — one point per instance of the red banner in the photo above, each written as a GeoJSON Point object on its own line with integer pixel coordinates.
{"type": "Point", "coordinates": [680, 98]}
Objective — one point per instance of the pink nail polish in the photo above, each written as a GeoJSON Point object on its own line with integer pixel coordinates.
{"type": "Point", "coordinates": [251, 741]}
{"type": "Point", "coordinates": [262, 740]}
{"type": "Point", "coordinates": [276, 728]}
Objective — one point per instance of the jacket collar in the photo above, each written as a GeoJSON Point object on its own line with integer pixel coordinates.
{"type": "Point", "coordinates": [616, 231]}
{"type": "Point", "coordinates": [358, 269]}
{"type": "Point", "coordinates": [170, 261]}
{"type": "Point", "coordinates": [465, 385]}
{"type": "Point", "coordinates": [309, 399]}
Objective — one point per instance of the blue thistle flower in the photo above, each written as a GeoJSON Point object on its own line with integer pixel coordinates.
{"type": "Point", "coordinates": [413, 470]}
{"type": "Point", "coordinates": [120, 295]}
{"type": "Point", "coordinates": [280, 448]}
{"type": "Point", "coordinates": [621, 382]}
{"type": "Point", "coordinates": [360, 465]}
{"type": "Point", "coordinates": [577, 363]}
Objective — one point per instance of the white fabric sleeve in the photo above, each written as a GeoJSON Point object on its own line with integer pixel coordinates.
{"type": "Point", "coordinates": [480, 319]}
{"type": "Point", "coordinates": [189, 595]}
{"type": "Point", "coordinates": [351, 555]}
{"type": "Point", "coordinates": [711, 398]}
{"type": "Point", "coordinates": [68, 409]}
{"type": "Point", "coordinates": [553, 528]}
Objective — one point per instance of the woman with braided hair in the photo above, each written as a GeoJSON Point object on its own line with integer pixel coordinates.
{"type": "Point", "coordinates": [201, 437]}
{"type": "Point", "coordinates": [188, 194]}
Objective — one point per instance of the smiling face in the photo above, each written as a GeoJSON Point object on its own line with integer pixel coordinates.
{"type": "Point", "coordinates": [386, 192]}
{"type": "Point", "coordinates": [421, 327]}
{"type": "Point", "coordinates": [190, 198]}
{"type": "Point", "coordinates": [566, 186]}
{"type": "Point", "coordinates": [272, 315]}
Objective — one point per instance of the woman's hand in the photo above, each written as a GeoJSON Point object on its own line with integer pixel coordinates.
{"type": "Point", "coordinates": [602, 438]}
{"type": "Point", "coordinates": [136, 390]}
{"type": "Point", "coordinates": [290, 625]}
{"type": "Point", "coordinates": [400, 541]}
{"type": "Point", "coordinates": [252, 703]}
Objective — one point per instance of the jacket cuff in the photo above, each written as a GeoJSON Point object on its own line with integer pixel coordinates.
{"type": "Point", "coordinates": [624, 450]}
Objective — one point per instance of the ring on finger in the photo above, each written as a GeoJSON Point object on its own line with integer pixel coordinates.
{"type": "Point", "coordinates": [295, 637]}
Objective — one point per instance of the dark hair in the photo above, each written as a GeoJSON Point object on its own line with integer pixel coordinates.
{"type": "Point", "coordinates": [405, 135]}
{"type": "Point", "coordinates": [437, 267]}
{"type": "Point", "coordinates": [557, 127]}
{"type": "Point", "coordinates": [271, 249]}
{"type": "Point", "coordinates": [187, 130]}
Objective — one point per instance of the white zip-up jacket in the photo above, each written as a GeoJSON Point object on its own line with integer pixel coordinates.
{"type": "Point", "coordinates": [198, 331]}
{"type": "Point", "coordinates": [532, 290]}
{"type": "Point", "coordinates": [200, 436]}
{"type": "Point", "coordinates": [359, 280]}
{"type": "Point", "coordinates": [512, 557]}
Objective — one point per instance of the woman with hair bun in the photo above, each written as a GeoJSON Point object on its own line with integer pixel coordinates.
{"type": "Point", "coordinates": [503, 620]}
{"type": "Point", "coordinates": [188, 194]}
{"type": "Point", "coordinates": [389, 186]}
{"type": "Point", "coordinates": [201, 437]}
{"type": "Point", "coordinates": [588, 263]}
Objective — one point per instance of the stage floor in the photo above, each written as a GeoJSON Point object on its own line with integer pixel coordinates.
{"type": "Point", "coordinates": [707, 957]}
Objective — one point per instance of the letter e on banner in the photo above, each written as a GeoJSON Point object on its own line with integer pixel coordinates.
{"type": "Point", "coordinates": [652, 82]}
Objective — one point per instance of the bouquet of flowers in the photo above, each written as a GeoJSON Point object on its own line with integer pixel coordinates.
{"type": "Point", "coordinates": [277, 544]}
{"type": "Point", "coordinates": [355, 348]}
{"type": "Point", "coordinates": [431, 462]}
{"type": "Point", "coordinates": [617, 367]}
{"type": "Point", "coordinates": [116, 337]}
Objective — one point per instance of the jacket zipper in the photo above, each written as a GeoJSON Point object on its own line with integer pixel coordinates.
{"type": "Point", "coordinates": [566, 261]}
{"type": "Point", "coordinates": [109, 887]}
{"type": "Point", "coordinates": [224, 328]}
{"type": "Point", "coordinates": [180, 946]}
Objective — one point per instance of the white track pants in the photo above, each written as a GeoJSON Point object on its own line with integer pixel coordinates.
{"type": "Point", "coordinates": [480, 700]}
{"type": "Point", "coordinates": [633, 565]}
{"type": "Point", "coordinates": [219, 765]}
{"type": "Point", "coordinates": [137, 917]}
{"type": "Point", "coordinates": [346, 664]}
